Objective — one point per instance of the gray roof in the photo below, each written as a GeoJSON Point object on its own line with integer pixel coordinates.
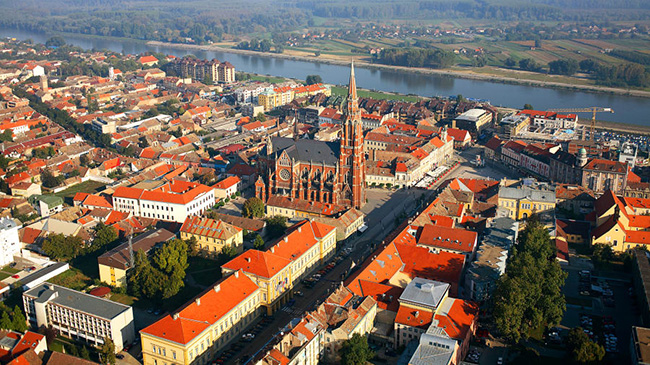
{"type": "Point", "coordinates": [42, 272]}
{"type": "Point", "coordinates": [544, 196]}
{"type": "Point", "coordinates": [433, 350]}
{"type": "Point", "coordinates": [502, 232]}
{"type": "Point", "coordinates": [77, 301]}
{"type": "Point", "coordinates": [120, 256]}
{"type": "Point", "coordinates": [424, 292]}
{"type": "Point", "coordinates": [7, 223]}
{"type": "Point", "coordinates": [308, 150]}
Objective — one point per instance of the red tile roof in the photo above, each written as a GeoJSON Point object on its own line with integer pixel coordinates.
{"type": "Point", "coordinates": [97, 201]}
{"type": "Point", "coordinates": [260, 263]}
{"type": "Point", "coordinates": [195, 317]}
{"type": "Point", "coordinates": [147, 59]}
{"type": "Point", "coordinates": [638, 237]}
{"type": "Point", "coordinates": [562, 249]}
{"type": "Point", "coordinates": [606, 165]}
{"type": "Point", "coordinates": [442, 266]}
{"type": "Point", "coordinates": [459, 318]}
{"type": "Point", "coordinates": [448, 238]}
{"type": "Point", "coordinates": [209, 227]}
{"type": "Point", "coordinates": [414, 318]}
{"type": "Point", "coordinates": [227, 182]}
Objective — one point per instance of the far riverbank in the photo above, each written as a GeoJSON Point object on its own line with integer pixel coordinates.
{"type": "Point", "coordinates": [444, 72]}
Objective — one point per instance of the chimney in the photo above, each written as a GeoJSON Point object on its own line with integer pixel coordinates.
{"type": "Point", "coordinates": [248, 259]}
{"type": "Point", "coordinates": [217, 288]}
{"type": "Point", "coordinates": [286, 239]}
{"type": "Point", "coordinates": [175, 316]}
{"type": "Point", "coordinates": [417, 314]}
{"type": "Point", "coordinates": [273, 249]}
{"type": "Point", "coordinates": [237, 274]}
{"type": "Point", "coordinates": [198, 301]}
{"type": "Point", "coordinates": [299, 230]}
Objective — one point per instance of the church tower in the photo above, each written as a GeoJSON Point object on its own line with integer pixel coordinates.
{"type": "Point", "coordinates": [352, 157]}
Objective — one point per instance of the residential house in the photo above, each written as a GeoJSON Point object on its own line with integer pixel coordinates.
{"type": "Point", "coordinates": [227, 187]}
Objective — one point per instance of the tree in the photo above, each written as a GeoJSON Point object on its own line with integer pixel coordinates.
{"type": "Point", "coordinates": [510, 62]}
{"type": "Point", "coordinates": [276, 226]}
{"type": "Point", "coordinates": [55, 42]}
{"type": "Point", "coordinates": [529, 294]}
{"type": "Point", "coordinates": [84, 160]}
{"type": "Point", "coordinates": [5, 321]}
{"type": "Point", "coordinates": [356, 351]}
{"type": "Point", "coordinates": [529, 64]}
{"type": "Point", "coordinates": [588, 65]}
{"type": "Point", "coordinates": [228, 252]}
{"type": "Point", "coordinates": [7, 136]}
{"type": "Point", "coordinates": [253, 208]}
{"type": "Point", "coordinates": [104, 235]}
{"type": "Point", "coordinates": [602, 254]}
{"type": "Point", "coordinates": [171, 260]}
{"type": "Point", "coordinates": [19, 322]}
{"type": "Point", "coordinates": [258, 244]}
{"type": "Point", "coordinates": [581, 348]}
{"type": "Point", "coordinates": [314, 79]}
{"type": "Point", "coordinates": [144, 280]}
{"type": "Point", "coordinates": [60, 247]}
{"type": "Point", "coordinates": [563, 67]}
{"type": "Point", "coordinates": [107, 351]}
{"type": "Point", "coordinates": [192, 246]}
{"type": "Point", "coordinates": [84, 353]}
{"type": "Point", "coordinates": [528, 106]}
{"type": "Point", "coordinates": [49, 180]}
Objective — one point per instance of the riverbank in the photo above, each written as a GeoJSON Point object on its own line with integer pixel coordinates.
{"type": "Point", "coordinates": [618, 127]}
{"type": "Point", "coordinates": [466, 74]}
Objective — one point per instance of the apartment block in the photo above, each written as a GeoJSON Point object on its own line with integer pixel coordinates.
{"type": "Point", "coordinates": [9, 240]}
{"type": "Point", "coordinates": [79, 316]}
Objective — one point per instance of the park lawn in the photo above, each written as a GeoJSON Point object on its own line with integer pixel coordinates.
{"type": "Point", "coordinates": [207, 277]}
{"type": "Point", "coordinates": [56, 345]}
{"type": "Point", "coordinates": [4, 275]}
{"type": "Point", "coordinates": [183, 296]}
{"type": "Point", "coordinates": [73, 279]}
{"type": "Point", "coordinates": [89, 186]}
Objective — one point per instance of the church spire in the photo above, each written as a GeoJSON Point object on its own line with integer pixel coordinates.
{"type": "Point", "coordinates": [353, 100]}
{"type": "Point", "coordinates": [352, 86]}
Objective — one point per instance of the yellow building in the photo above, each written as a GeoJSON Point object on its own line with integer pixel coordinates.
{"type": "Point", "coordinates": [272, 99]}
{"type": "Point", "coordinates": [271, 273]}
{"type": "Point", "coordinates": [307, 245]}
{"type": "Point", "coordinates": [212, 235]}
{"type": "Point", "coordinates": [522, 202]}
{"type": "Point", "coordinates": [621, 223]}
{"type": "Point", "coordinates": [196, 332]}
{"type": "Point", "coordinates": [114, 264]}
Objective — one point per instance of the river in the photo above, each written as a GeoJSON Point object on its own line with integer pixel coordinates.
{"type": "Point", "coordinates": [628, 109]}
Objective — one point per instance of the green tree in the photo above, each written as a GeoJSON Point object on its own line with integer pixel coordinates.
{"type": "Point", "coordinates": [143, 280]}
{"type": "Point", "coordinates": [582, 349]}
{"type": "Point", "coordinates": [84, 160]}
{"type": "Point", "coordinates": [355, 351]}
{"type": "Point", "coordinates": [510, 62]}
{"type": "Point", "coordinates": [253, 208]}
{"type": "Point", "coordinates": [55, 42]}
{"type": "Point", "coordinates": [276, 226]}
{"type": "Point", "coordinates": [171, 260]}
{"type": "Point", "coordinates": [104, 235]}
{"type": "Point", "coordinates": [107, 351]}
{"type": "Point", "coordinates": [19, 322]}
{"type": "Point", "coordinates": [228, 252]}
{"type": "Point", "coordinates": [602, 254]}
{"type": "Point", "coordinates": [314, 79]}
{"type": "Point", "coordinates": [49, 180]}
{"type": "Point", "coordinates": [7, 136]}
{"type": "Point", "coordinates": [528, 106]}
{"type": "Point", "coordinates": [258, 244]}
{"type": "Point", "coordinates": [84, 353]}
{"type": "Point", "coordinates": [529, 294]}
{"type": "Point", "coordinates": [60, 247]}
{"type": "Point", "coordinates": [5, 321]}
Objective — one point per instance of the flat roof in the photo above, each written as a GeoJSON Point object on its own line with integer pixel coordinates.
{"type": "Point", "coordinates": [75, 300]}
{"type": "Point", "coordinates": [43, 272]}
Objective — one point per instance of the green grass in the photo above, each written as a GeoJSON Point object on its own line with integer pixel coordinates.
{"type": "Point", "coordinates": [56, 345]}
{"type": "Point", "coordinates": [342, 91]}
{"type": "Point", "coordinates": [204, 271]}
{"type": "Point", "coordinates": [269, 79]}
{"type": "Point", "coordinates": [4, 275]}
{"type": "Point", "coordinates": [10, 270]}
{"type": "Point", "coordinates": [85, 187]}
{"type": "Point", "coordinates": [73, 279]}
{"type": "Point", "coordinates": [124, 299]}
{"type": "Point", "coordinates": [207, 277]}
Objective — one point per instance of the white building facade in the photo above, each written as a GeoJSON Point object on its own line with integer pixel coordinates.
{"type": "Point", "coordinates": [9, 241]}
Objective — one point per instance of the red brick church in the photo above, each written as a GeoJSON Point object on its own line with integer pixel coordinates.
{"type": "Point", "coordinates": [304, 170]}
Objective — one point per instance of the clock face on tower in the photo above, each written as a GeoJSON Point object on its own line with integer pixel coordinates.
{"type": "Point", "coordinates": [285, 174]}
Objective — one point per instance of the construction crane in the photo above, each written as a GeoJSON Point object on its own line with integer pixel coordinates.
{"type": "Point", "coordinates": [593, 110]}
